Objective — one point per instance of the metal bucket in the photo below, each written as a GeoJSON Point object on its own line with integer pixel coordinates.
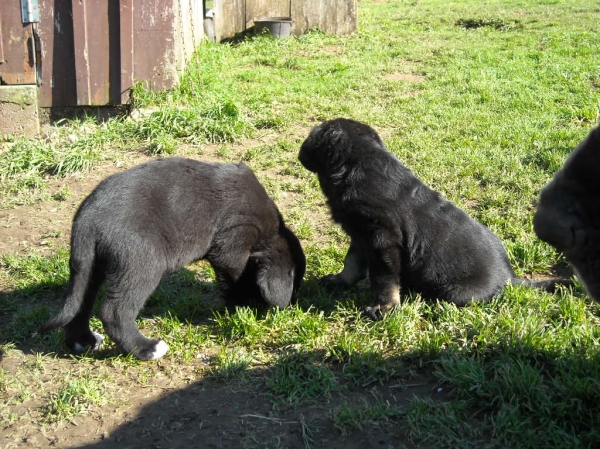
{"type": "Point", "coordinates": [277, 26]}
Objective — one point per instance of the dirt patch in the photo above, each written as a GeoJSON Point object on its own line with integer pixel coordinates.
{"type": "Point", "coordinates": [406, 77]}
{"type": "Point", "coordinates": [41, 227]}
{"type": "Point", "coordinates": [175, 413]}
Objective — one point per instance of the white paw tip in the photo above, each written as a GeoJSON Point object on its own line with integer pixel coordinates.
{"type": "Point", "coordinates": [160, 349]}
{"type": "Point", "coordinates": [99, 340]}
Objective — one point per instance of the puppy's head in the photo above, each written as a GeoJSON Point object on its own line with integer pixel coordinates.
{"type": "Point", "coordinates": [582, 169]}
{"type": "Point", "coordinates": [568, 216]}
{"type": "Point", "coordinates": [280, 268]}
{"type": "Point", "coordinates": [333, 142]}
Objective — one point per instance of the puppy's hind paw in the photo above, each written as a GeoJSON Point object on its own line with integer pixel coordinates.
{"type": "Point", "coordinates": [150, 349]}
{"type": "Point", "coordinates": [161, 349]}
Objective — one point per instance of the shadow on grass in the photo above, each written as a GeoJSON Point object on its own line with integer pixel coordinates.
{"type": "Point", "coordinates": [296, 403]}
{"type": "Point", "coordinates": [180, 296]}
{"type": "Point", "coordinates": [505, 389]}
{"type": "Point", "coordinates": [409, 407]}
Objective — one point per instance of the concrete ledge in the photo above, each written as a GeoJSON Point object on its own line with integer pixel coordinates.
{"type": "Point", "coordinates": [19, 110]}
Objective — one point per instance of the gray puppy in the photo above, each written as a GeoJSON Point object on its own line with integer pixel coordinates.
{"type": "Point", "coordinates": [568, 212]}
{"type": "Point", "coordinates": [403, 234]}
{"type": "Point", "coordinates": [159, 216]}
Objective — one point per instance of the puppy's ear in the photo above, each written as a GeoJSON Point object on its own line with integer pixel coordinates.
{"type": "Point", "coordinates": [298, 259]}
{"type": "Point", "coordinates": [310, 151]}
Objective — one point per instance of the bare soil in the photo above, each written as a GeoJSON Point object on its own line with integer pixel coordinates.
{"type": "Point", "coordinates": [42, 226]}
{"type": "Point", "coordinates": [183, 411]}
{"type": "Point", "coordinates": [407, 77]}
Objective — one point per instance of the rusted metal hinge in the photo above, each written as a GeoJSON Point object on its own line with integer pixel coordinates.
{"type": "Point", "coordinates": [30, 11]}
{"type": "Point", "coordinates": [30, 14]}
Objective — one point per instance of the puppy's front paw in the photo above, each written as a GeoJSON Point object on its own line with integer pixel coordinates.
{"type": "Point", "coordinates": [93, 341]}
{"type": "Point", "coordinates": [332, 282]}
{"type": "Point", "coordinates": [99, 341]}
{"type": "Point", "coordinates": [377, 311]}
{"type": "Point", "coordinates": [374, 313]}
{"type": "Point", "coordinates": [161, 349]}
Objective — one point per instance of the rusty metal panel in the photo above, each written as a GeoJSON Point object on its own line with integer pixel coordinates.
{"type": "Point", "coordinates": [91, 39]}
{"type": "Point", "coordinates": [154, 28]}
{"type": "Point", "coordinates": [58, 54]}
{"type": "Point", "coordinates": [126, 50]}
{"type": "Point", "coordinates": [94, 50]}
{"type": "Point", "coordinates": [1, 44]}
{"type": "Point", "coordinates": [189, 29]}
{"type": "Point", "coordinates": [17, 64]}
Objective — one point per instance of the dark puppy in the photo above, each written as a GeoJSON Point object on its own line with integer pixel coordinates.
{"type": "Point", "coordinates": [158, 216]}
{"type": "Point", "coordinates": [403, 234]}
{"type": "Point", "coordinates": [568, 213]}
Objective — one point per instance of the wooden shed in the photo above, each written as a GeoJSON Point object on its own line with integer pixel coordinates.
{"type": "Point", "coordinates": [73, 53]}
{"type": "Point", "coordinates": [332, 17]}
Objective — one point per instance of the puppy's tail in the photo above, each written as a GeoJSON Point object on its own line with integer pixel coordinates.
{"type": "Point", "coordinates": [548, 285]}
{"type": "Point", "coordinates": [81, 265]}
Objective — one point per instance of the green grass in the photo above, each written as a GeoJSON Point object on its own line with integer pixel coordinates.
{"type": "Point", "coordinates": [231, 366]}
{"type": "Point", "coordinates": [77, 395]}
{"type": "Point", "coordinates": [350, 416]}
{"type": "Point", "coordinates": [483, 101]}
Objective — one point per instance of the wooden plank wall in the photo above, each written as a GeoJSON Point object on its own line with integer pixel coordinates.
{"type": "Point", "coordinates": [229, 18]}
{"type": "Point", "coordinates": [93, 50]}
{"type": "Point", "coordinates": [330, 16]}
{"type": "Point", "coordinates": [255, 9]}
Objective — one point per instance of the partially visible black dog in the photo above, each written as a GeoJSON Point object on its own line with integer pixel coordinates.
{"type": "Point", "coordinates": [403, 234]}
{"type": "Point", "coordinates": [568, 213]}
{"type": "Point", "coordinates": [155, 218]}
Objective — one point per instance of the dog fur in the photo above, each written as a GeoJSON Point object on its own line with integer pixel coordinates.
{"type": "Point", "coordinates": [403, 234]}
{"type": "Point", "coordinates": [159, 216]}
{"type": "Point", "coordinates": [568, 212]}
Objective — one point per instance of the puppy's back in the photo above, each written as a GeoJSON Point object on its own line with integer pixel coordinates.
{"type": "Point", "coordinates": [173, 206]}
{"type": "Point", "coordinates": [174, 186]}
